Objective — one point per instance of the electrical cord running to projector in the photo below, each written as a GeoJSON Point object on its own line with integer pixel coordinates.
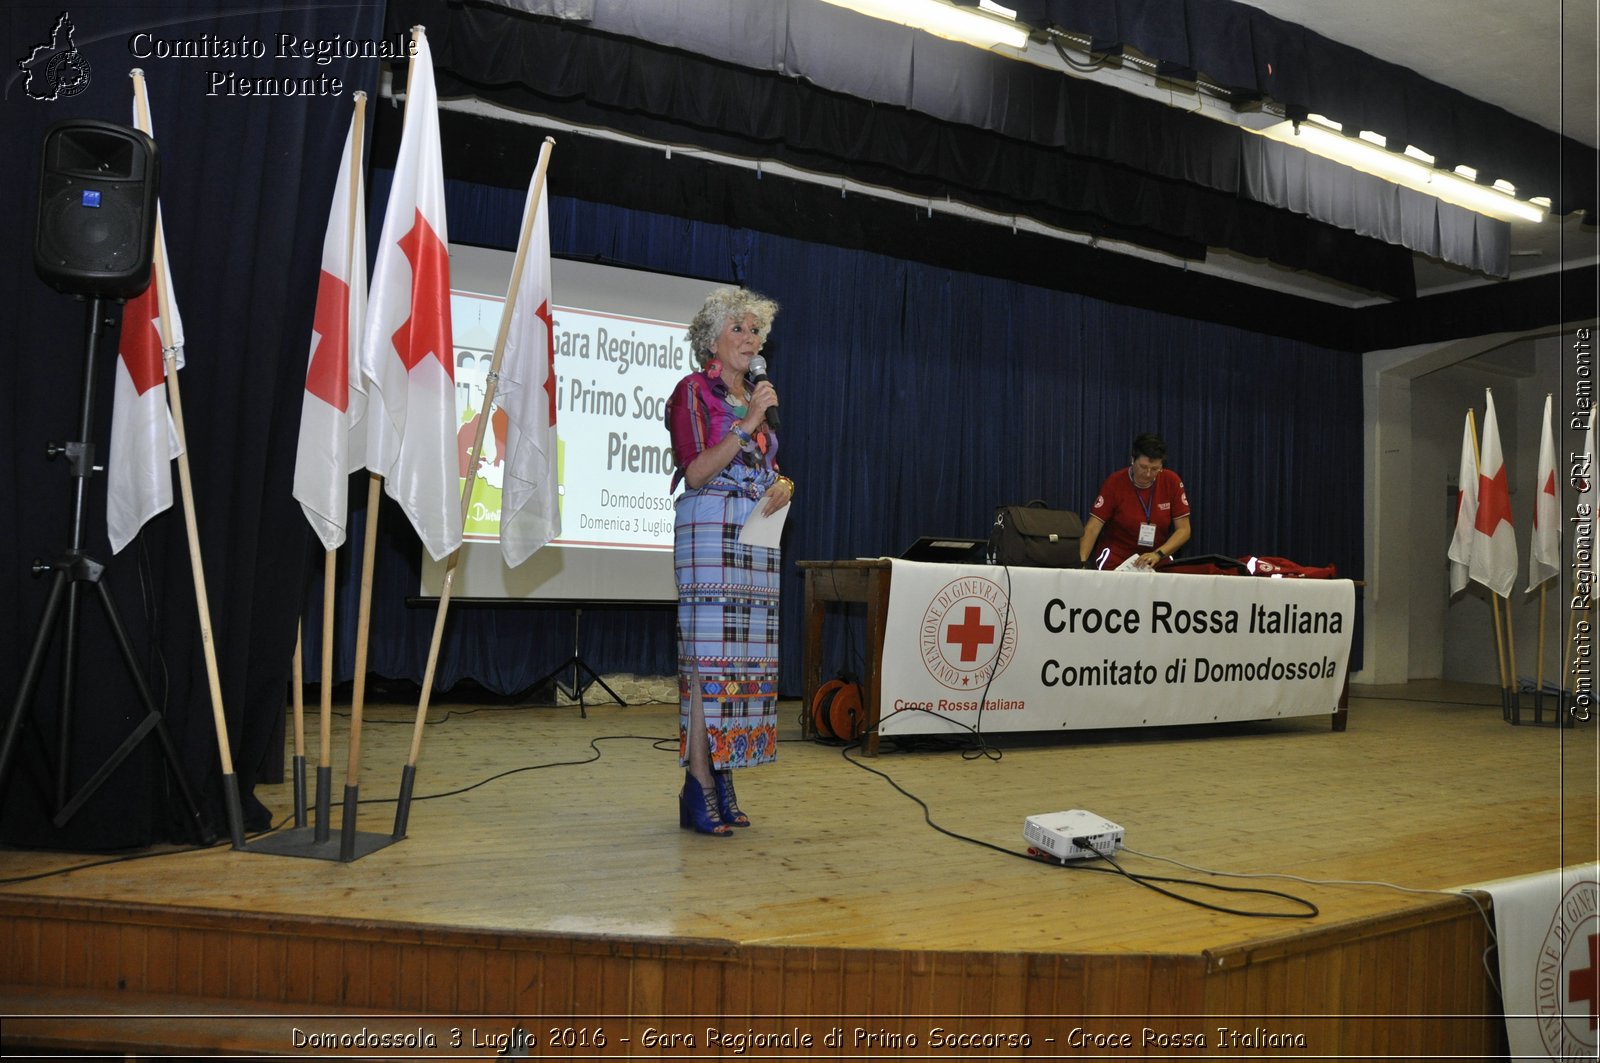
{"type": "Point", "coordinates": [1311, 911]}
{"type": "Point", "coordinates": [1483, 911]}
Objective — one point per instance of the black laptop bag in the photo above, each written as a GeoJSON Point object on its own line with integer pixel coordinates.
{"type": "Point", "coordinates": [1036, 536]}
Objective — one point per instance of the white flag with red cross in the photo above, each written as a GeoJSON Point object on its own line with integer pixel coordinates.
{"type": "Point", "coordinates": [530, 513]}
{"type": "Point", "coordinates": [407, 354]}
{"type": "Point", "coordinates": [1494, 540]}
{"type": "Point", "coordinates": [1544, 551]}
{"type": "Point", "coordinates": [1466, 510]}
{"type": "Point", "coordinates": [333, 442]}
{"type": "Point", "coordinates": [144, 438]}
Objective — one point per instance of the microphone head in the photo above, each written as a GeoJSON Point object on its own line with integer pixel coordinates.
{"type": "Point", "coordinates": [758, 367]}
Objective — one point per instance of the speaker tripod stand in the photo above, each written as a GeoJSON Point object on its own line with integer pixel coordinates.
{"type": "Point", "coordinates": [578, 664]}
{"type": "Point", "coordinates": [74, 571]}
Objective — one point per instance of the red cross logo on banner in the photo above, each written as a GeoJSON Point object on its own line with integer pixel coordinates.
{"type": "Point", "coordinates": [1585, 984]}
{"type": "Point", "coordinates": [970, 633]}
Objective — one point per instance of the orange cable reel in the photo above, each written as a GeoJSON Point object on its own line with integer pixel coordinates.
{"type": "Point", "coordinates": [838, 709]}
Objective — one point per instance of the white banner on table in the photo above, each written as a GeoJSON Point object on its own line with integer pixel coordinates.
{"type": "Point", "coordinates": [1086, 649]}
{"type": "Point", "coordinates": [1547, 933]}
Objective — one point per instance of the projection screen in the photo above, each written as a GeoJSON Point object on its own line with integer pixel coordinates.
{"type": "Point", "coordinates": [620, 349]}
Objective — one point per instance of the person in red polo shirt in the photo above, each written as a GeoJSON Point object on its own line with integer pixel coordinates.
{"type": "Point", "coordinates": [1141, 511]}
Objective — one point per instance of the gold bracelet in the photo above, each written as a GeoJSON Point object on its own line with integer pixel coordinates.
{"type": "Point", "coordinates": [788, 483]}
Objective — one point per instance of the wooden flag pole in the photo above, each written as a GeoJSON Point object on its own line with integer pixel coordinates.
{"type": "Point", "coordinates": [1511, 660]}
{"type": "Point", "coordinates": [1499, 651]}
{"type": "Point", "coordinates": [358, 698]}
{"type": "Point", "coordinates": [1561, 690]}
{"type": "Point", "coordinates": [358, 695]}
{"type": "Point", "coordinates": [330, 570]}
{"type": "Point", "coordinates": [230, 782]}
{"type": "Point", "coordinates": [535, 194]}
{"type": "Point", "coordinates": [298, 699]}
{"type": "Point", "coordinates": [368, 564]}
{"type": "Point", "coordinates": [1544, 599]}
{"type": "Point", "coordinates": [1538, 687]}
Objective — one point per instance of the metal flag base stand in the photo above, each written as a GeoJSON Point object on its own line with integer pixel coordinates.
{"type": "Point", "coordinates": [1558, 703]}
{"type": "Point", "coordinates": [318, 843]}
{"type": "Point", "coordinates": [303, 841]}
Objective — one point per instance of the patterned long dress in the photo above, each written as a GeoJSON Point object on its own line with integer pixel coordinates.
{"type": "Point", "coordinates": [727, 591]}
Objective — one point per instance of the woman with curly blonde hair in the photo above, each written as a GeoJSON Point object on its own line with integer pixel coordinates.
{"type": "Point", "coordinates": [726, 455]}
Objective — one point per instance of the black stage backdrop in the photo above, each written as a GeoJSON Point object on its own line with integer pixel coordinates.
{"type": "Point", "coordinates": [918, 398]}
{"type": "Point", "coordinates": [246, 184]}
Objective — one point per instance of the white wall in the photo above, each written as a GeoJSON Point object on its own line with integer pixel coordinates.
{"type": "Point", "coordinates": [1417, 399]}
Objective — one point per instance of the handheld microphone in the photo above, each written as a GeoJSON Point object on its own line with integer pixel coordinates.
{"type": "Point", "coordinates": [758, 373]}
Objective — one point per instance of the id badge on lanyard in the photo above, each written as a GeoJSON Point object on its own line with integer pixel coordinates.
{"type": "Point", "coordinates": [1147, 530]}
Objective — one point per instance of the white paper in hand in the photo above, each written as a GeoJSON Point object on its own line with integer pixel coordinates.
{"type": "Point", "coordinates": [762, 530]}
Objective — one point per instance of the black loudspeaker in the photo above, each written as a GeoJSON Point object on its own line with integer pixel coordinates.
{"type": "Point", "coordinates": [97, 209]}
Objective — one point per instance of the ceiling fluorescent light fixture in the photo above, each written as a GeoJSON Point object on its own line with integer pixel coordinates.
{"type": "Point", "coordinates": [963, 24]}
{"type": "Point", "coordinates": [1359, 153]}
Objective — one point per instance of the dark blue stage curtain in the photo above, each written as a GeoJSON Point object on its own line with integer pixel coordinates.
{"type": "Point", "coordinates": [916, 400]}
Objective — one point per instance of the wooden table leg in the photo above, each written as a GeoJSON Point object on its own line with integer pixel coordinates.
{"type": "Point", "coordinates": [1341, 715]}
{"type": "Point", "coordinates": [877, 629]}
{"type": "Point", "coordinates": [811, 662]}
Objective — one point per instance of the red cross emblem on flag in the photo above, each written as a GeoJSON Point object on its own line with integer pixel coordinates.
{"type": "Point", "coordinates": [427, 330]}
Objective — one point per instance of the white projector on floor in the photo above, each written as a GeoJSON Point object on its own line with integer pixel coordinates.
{"type": "Point", "coordinates": [1059, 834]}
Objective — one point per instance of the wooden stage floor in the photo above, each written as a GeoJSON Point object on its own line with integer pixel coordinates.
{"type": "Point", "coordinates": [548, 887]}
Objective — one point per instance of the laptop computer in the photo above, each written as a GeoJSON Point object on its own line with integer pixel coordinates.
{"type": "Point", "coordinates": [948, 550]}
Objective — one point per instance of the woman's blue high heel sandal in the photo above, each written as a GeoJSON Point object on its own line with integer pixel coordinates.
{"type": "Point", "coordinates": [697, 810]}
{"type": "Point", "coordinates": [727, 801]}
